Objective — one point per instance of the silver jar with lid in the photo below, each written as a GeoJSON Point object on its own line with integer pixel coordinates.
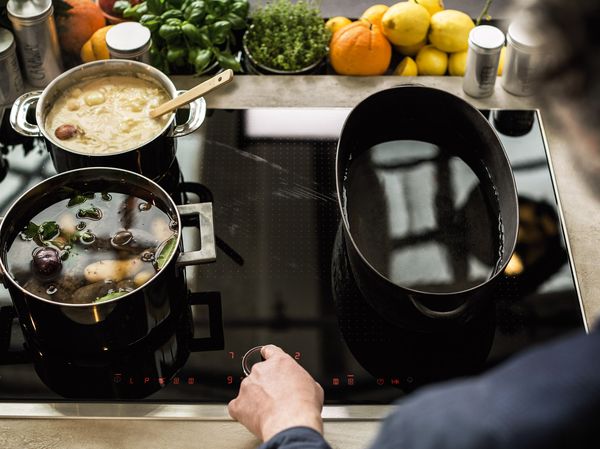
{"type": "Point", "coordinates": [37, 40]}
{"type": "Point", "coordinates": [129, 40]}
{"type": "Point", "coordinates": [485, 44]}
{"type": "Point", "coordinates": [525, 57]}
{"type": "Point", "coordinates": [11, 82]}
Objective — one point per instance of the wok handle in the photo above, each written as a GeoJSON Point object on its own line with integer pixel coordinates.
{"type": "Point", "coordinates": [195, 119]}
{"type": "Point", "coordinates": [18, 114]}
{"type": "Point", "coordinates": [216, 340]}
{"type": "Point", "coordinates": [208, 252]}
{"type": "Point", "coordinates": [436, 314]}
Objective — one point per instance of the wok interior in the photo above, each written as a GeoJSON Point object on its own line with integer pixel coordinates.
{"type": "Point", "coordinates": [436, 117]}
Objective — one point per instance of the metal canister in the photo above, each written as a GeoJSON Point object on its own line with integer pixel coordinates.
{"type": "Point", "coordinates": [11, 82]}
{"type": "Point", "coordinates": [485, 44]}
{"type": "Point", "coordinates": [37, 40]}
{"type": "Point", "coordinates": [129, 40]}
{"type": "Point", "coordinates": [525, 57]}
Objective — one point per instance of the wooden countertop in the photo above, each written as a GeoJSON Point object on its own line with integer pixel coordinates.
{"type": "Point", "coordinates": [580, 207]}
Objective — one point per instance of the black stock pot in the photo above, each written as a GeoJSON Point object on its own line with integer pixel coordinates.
{"type": "Point", "coordinates": [151, 159]}
{"type": "Point", "coordinates": [115, 324]}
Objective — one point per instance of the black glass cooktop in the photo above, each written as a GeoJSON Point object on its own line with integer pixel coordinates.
{"type": "Point", "coordinates": [270, 173]}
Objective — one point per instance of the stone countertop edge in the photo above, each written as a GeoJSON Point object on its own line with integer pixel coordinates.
{"type": "Point", "coordinates": [580, 208]}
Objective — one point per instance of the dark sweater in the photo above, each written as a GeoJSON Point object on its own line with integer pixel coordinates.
{"type": "Point", "coordinates": [548, 397]}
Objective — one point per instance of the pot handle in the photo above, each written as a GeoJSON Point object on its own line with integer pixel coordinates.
{"type": "Point", "coordinates": [446, 315]}
{"type": "Point", "coordinates": [207, 253]}
{"type": "Point", "coordinates": [216, 339]}
{"type": "Point", "coordinates": [18, 114]}
{"type": "Point", "coordinates": [195, 119]}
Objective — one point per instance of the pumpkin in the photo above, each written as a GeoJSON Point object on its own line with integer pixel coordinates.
{"type": "Point", "coordinates": [78, 24]}
{"type": "Point", "coordinates": [360, 49]}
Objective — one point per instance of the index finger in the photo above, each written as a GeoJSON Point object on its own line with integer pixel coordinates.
{"type": "Point", "coordinates": [269, 351]}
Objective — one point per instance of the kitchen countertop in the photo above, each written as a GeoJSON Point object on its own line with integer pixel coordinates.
{"type": "Point", "coordinates": [580, 207]}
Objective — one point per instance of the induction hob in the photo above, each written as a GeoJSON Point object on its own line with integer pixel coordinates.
{"type": "Point", "coordinates": [270, 173]}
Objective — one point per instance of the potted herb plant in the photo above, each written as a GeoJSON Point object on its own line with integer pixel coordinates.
{"type": "Point", "coordinates": [286, 38]}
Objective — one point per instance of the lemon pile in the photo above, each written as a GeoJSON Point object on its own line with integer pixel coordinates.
{"type": "Point", "coordinates": [433, 40]}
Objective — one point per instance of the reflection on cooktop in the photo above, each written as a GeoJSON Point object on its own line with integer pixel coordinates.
{"type": "Point", "coordinates": [270, 174]}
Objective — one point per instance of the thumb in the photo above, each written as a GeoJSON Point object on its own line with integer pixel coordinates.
{"type": "Point", "coordinates": [269, 351]}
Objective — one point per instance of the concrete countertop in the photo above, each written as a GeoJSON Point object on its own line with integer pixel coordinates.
{"type": "Point", "coordinates": [581, 212]}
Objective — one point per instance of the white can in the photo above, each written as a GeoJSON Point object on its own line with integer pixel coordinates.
{"type": "Point", "coordinates": [129, 40]}
{"type": "Point", "coordinates": [485, 44]}
{"type": "Point", "coordinates": [11, 82]}
{"type": "Point", "coordinates": [525, 57]}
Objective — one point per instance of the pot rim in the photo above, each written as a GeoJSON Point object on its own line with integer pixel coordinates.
{"type": "Point", "coordinates": [8, 276]}
{"type": "Point", "coordinates": [152, 73]}
{"type": "Point", "coordinates": [341, 197]}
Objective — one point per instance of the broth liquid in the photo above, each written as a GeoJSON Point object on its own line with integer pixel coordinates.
{"type": "Point", "coordinates": [422, 217]}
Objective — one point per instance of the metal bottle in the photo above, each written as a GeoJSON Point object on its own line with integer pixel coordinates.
{"type": "Point", "coordinates": [11, 82]}
{"type": "Point", "coordinates": [485, 44]}
{"type": "Point", "coordinates": [525, 57]}
{"type": "Point", "coordinates": [37, 39]}
{"type": "Point", "coordinates": [129, 40]}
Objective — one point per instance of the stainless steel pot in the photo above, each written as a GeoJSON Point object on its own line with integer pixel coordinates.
{"type": "Point", "coordinates": [115, 324]}
{"type": "Point", "coordinates": [151, 159]}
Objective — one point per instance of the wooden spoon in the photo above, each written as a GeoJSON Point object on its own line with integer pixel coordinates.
{"type": "Point", "coordinates": [195, 92]}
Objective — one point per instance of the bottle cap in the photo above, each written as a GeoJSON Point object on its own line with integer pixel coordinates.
{"type": "Point", "coordinates": [486, 38]}
{"type": "Point", "coordinates": [29, 9]}
{"type": "Point", "coordinates": [522, 35]}
{"type": "Point", "coordinates": [6, 40]}
{"type": "Point", "coordinates": [127, 37]}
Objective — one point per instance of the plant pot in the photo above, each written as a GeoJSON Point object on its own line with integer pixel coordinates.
{"type": "Point", "coordinates": [254, 67]}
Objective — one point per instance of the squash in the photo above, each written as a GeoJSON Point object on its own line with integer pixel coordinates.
{"type": "Point", "coordinates": [77, 24]}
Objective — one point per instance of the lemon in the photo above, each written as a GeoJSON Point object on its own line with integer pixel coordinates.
{"type": "Point", "coordinates": [87, 53]}
{"type": "Point", "coordinates": [432, 6]}
{"type": "Point", "coordinates": [410, 50]}
{"type": "Point", "coordinates": [501, 62]}
{"type": "Point", "coordinates": [449, 30]}
{"type": "Point", "coordinates": [407, 67]}
{"type": "Point", "coordinates": [374, 14]}
{"type": "Point", "coordinates": [457, 63]}
{"type": "Point", "coordinates": [405, 23]}
{"type": "Point", "coordinates": [98, 40]}
{"type": "Point", "coordinates": [431, 61]}
{"type": "Point", "coordinates": [337, 23]}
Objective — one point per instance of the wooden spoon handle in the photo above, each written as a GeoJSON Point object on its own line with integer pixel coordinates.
{"type": "Point", "coordinates": [195, 92]}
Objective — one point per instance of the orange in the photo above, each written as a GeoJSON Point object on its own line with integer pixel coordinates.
{"type": "Point", "coordinates": [360, 49]}
{"type": "Point", "coordinates": [335, 23]}
{"type": "Point", "coordinates": [374, 14]}
{"type": "Point", "coordinates": [78, 24]}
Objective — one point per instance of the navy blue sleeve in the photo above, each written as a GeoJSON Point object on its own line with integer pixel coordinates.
{"type": "Point", "coordinates": [548, 397]}
{"type": "Point", "coordinates": [297, 438]}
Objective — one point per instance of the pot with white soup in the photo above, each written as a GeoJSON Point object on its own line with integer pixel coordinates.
{"type": "Point", "coordinates": [97, 115]}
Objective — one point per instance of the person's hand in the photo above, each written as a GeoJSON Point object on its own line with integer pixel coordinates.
{"type": "Point", "coordinates": [278, 394]}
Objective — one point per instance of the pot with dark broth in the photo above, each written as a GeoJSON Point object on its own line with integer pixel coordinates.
{"type": "Point", "coordinates": [92, 247]}
{"type": "Point", "coordinates": [93, 260]}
